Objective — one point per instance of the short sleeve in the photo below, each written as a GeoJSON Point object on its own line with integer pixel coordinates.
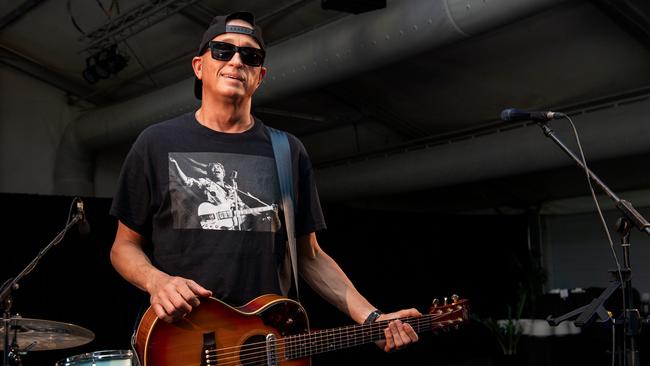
{"type": "Point", "coordinates": [309, 214]}
{"type": "Point", "coordinates": [131, 203]}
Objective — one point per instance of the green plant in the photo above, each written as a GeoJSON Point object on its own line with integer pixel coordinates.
{"type": "Point", "coordinates": [532, 277]}
{"type": "Point", "coordinates": [506, 331]}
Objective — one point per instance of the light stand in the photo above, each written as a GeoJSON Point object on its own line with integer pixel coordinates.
{"type": "Point", "coordinates": [630, 316]}
{"type": "Point", "coordinates": [10, 352]}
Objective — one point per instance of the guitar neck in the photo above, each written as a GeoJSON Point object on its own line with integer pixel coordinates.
{"type": "Point", "coordinates": [308, 344]}
{"type": "Point", "coordinates": [247, 211]}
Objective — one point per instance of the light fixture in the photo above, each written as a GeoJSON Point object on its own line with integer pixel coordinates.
{"type": "Point", "coordinates": [103, 64]}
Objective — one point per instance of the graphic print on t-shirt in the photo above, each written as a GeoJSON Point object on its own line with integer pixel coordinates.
{"type": "Point", "coordinates": [219, 191]}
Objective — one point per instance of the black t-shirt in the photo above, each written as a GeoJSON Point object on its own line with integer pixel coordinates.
{"type": "Point", "coordinates": [208, 204]}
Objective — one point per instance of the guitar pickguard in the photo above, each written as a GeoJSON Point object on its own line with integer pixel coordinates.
{"type": "Point", "coordinates": [286, 317]}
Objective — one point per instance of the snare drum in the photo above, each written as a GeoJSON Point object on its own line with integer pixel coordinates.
{"type": "Point", "coordinates": [99, 358]}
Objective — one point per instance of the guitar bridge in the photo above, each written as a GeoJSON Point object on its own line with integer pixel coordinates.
{"type": "Point", "coordinates": [271, 355]}
{"type": "Point", "coordinates": [208, 352]}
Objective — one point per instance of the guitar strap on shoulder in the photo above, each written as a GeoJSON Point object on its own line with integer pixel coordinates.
{"type": "Point", "coordinates": [282, 153]}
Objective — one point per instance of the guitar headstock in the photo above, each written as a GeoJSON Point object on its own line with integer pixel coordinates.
{"type": "Point", "coordinates": [451, 313]}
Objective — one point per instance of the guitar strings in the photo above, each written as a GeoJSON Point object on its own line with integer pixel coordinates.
{"type": "Point", "coordinates": [261, 355]}
{"type": "Point", "coordinates": [320, 335]}
{"type": "Point", "coordinates": [355, 329]}
{"type": "Point", "coordinates": [295, 346]}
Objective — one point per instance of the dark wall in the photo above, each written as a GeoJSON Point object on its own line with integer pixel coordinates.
{"type": "Point", "coordinates": [395, 259]}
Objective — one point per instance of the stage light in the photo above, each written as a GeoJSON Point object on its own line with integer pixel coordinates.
{"type": "Point", "coordinates": [353, 6]}
{"type": "Point", "coordinates": [89, 74]}
{"type": "Point", "coordinates": [103, 64]}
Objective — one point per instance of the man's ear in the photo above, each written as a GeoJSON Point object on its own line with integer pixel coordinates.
{"type": "Point", "coordinates": [197, 66]}
{"type": "Point", "coordinates": [262, 75]}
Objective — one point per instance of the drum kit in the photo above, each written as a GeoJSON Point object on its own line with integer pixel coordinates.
{"type": "Point", "coordinates": [28, 335]}
{"type": "Point", "coordinates": [19, 335]}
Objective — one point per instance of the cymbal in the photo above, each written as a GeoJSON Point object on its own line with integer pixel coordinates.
{"type": "Point", "coordinates": [42, 335]}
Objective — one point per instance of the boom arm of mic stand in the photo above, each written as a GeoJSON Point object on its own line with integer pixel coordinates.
{"type": "Point", "coordinates": [624, 206]}
{"type": "Point", "coordinates": [6, 290]}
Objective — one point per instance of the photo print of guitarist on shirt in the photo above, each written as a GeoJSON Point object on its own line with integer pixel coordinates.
{"type": "Point", "coordinates": [218, 191]}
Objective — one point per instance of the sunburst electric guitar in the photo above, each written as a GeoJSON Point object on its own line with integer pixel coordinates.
{"type": "Point", "coordinates": [269, 330]}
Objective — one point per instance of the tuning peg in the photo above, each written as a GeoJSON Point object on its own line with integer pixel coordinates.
{"type": "Point", "coordinates": [434, 303]}
{"type": "Point", "coordinates": [445, 303]}
{"type": "Point", "coordinates": [454, 298]}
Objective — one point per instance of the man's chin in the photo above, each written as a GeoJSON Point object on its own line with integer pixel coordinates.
{"type": "Point", "coordinates": [231, 92]}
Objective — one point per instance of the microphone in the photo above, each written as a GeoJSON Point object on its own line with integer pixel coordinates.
{"type": "Point", "coordinates": [514, 114]}
{"type": "Point", "coordinates": [84, 226]}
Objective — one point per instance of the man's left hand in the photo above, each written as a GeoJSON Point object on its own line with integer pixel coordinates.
{"type": "Point", "coordinates": [398, 334]}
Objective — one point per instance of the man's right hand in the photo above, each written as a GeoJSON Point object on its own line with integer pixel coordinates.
{"type": "Point", "coordinates": [174, 297]}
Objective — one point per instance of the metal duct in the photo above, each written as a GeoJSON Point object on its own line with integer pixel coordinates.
{"type": "Point", "coordinates": [617, 131]}
{"type": "Point", "coordinates": [325, 55]}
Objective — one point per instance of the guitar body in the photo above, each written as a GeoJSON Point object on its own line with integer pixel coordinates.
{"type": "Point", "coordinates": [216, 334]}
{"type": "Point", "coordinates": [217, 217]}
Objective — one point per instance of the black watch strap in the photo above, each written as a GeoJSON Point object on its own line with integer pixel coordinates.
{"type": "Point", "coordinates": [372, 317]}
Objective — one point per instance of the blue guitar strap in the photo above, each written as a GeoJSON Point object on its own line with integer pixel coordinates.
{"type": "Point", "coordinates": [282, 153]}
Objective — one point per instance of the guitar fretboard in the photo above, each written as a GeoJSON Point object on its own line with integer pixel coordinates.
{"type": "Point", "coordinates": [308, 344]}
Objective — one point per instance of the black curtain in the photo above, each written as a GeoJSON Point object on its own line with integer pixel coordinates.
{"type": "Point", "coordinates": [396, 259]}
{"type": "Point", "coordinates": [74, 282]}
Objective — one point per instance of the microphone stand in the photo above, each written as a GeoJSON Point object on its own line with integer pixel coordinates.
{"type": "Point", "coordinates": [236, 214]}
{"type": "Point", "coordinates": [12, 284]}
{"type": "Point", "coordinates": [630, 318]}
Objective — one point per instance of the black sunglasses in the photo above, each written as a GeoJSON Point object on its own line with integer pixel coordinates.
{"type": "Point", "coordinates": [223, 51]}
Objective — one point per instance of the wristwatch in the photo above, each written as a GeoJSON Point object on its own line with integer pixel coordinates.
{"type": "Point", "coordinates": [372, 316]}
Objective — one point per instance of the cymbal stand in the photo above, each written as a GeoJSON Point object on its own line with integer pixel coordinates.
{"type": "Point", "coordinates": [12, 284]}
{"type": "Point", "coordinates": [630, 316]}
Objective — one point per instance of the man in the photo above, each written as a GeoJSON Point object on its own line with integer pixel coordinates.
{"type": "Point", "coordinates": [188, 262]}
{"type": "Point", "coordinates": [219, 206]}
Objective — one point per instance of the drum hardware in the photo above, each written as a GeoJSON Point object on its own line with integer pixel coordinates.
{"type": "Point", "coordinates": [99, 358]}
{"type": "Point", "coordinates": [33, 333]}
{"type": "Point", "coordinates": [42, 335]}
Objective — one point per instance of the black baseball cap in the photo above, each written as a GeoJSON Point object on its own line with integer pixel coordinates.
{"type": "Point", "coordinates": [218, 26]}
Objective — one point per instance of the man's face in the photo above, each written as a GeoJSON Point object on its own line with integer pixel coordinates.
{"type": "Point", "coordinates": [230, 79]}
{"type": "Point", "coordinates": [217, 171]}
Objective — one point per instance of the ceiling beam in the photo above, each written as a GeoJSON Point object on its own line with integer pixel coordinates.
{"type": "Point", "coordinates": [275, 13]}
{"type": "Point", "coordinates": [19, 12]}
{"type": "Point", "coordinates": [185, 58]}
{"type": "Point", "coordinates": [199, 14]}
{"type": "Point", "coordinates": [127, 24]}
{"type": "Point", "coordinates": [44, 73]}
{"type": "Point", "coordinates": [633, 16]}
{"type": "Point", "coordinates": [291, 114]}
{"type": "Point", "coordinates": [377, 112]}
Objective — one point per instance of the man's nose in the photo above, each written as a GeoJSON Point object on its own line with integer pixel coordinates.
{"type": "Point", "coordinates": [236, 60]}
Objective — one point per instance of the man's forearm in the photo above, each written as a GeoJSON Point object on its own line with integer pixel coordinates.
{"type": "Point", "coordinates": [327, 278]}
{"type": "Point", "coordinates": [132, 264]}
